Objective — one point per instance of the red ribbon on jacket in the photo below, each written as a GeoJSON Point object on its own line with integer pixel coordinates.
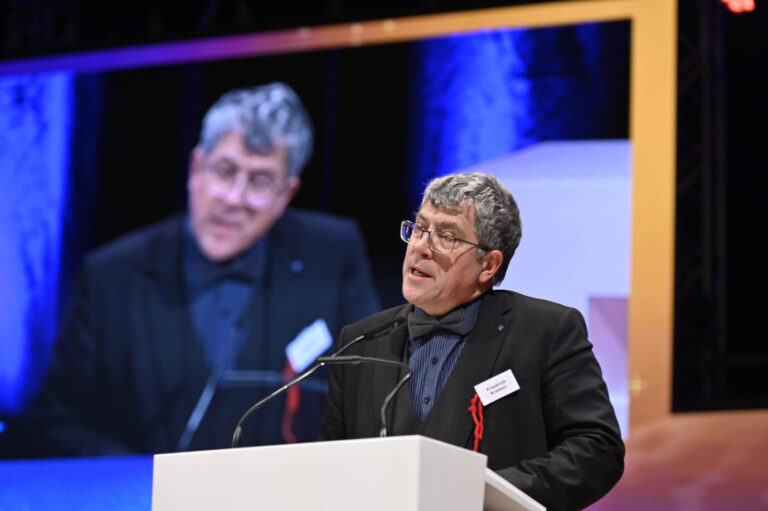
{"type": "Point", "coordinates": [476, 409]}
{"type": "Point", "coordinates": [292, 401]}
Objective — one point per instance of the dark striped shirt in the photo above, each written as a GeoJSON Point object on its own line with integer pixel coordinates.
{"type": "Point", "coordinates": [432, 358]}
{"type": "Point", "coordinates": [218, 295]}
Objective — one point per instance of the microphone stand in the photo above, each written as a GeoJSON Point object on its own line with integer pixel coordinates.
{"type": "Point", "coordinates": [236, 438]}
{"type": "Point", "coordinates": [389, 326]}
{"type": "Point", "coordinates": [357, 359]}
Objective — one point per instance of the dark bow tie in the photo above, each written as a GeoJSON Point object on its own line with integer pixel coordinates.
{"type": "Point", "coordinates": [419, 324]}
{"type": "Point", "coordinates": [211, 274]}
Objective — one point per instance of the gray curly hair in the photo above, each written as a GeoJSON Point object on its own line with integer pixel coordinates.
{"type": "Point", "coordinates": [267, 115]}
{"type": "Point", "coordinates": [497, 217]}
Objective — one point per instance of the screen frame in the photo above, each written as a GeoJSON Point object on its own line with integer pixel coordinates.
{"type": "Point", "coordinates": [653, 106]}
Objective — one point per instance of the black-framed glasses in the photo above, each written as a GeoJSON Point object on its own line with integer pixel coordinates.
{"type": "Point", "coordinates": [441, 243]}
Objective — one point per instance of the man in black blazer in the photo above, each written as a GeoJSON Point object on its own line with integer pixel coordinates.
{"type": "Point", "coordinates": [507, 375]}
{"type": "Point", "coordinates": [178, 328]}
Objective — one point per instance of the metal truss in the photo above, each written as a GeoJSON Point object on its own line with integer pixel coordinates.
{"type": "Point", "coordinates": [701, 349]}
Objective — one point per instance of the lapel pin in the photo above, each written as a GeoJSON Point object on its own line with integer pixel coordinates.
{"type": "Point", "coordinates": [500, 327]}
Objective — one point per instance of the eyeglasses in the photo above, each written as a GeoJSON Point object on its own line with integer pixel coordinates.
{"type": "Point", "coordinates": [260, 187]}
{"type": "Point", "coordinates": [441, 243]}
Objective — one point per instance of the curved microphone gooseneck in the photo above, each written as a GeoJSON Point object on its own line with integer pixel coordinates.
{"type": "Point", "coordinates": [371, 334]}
{"type": "Point", "coordinates": [357, 359]}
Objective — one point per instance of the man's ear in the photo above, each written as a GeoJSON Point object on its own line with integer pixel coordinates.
{"type": "Point", "coordinates": [292, 185]}
{"type": "Point", "coordinates": [195, 160]}
{"type": "Point", "coordinates": [195, 168]}
{"type": "Point", "coordinates": [491, 263]}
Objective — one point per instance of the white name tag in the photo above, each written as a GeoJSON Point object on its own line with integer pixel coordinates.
{"type": "Point", "coordinates": [497, 387]}
{"type": "Point", "coordinates": [308, 345]}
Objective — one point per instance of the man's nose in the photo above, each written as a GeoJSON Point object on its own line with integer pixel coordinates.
{"type": "Point", "coordinates": [236, 192]}
{"type": "Point", "coordinates": [422, 245]}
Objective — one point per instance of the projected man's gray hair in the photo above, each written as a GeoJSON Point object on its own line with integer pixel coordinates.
{"type": "Point", "coordinates": [497, 217]}
{"type": "Point", "coordinates": [268, 116]}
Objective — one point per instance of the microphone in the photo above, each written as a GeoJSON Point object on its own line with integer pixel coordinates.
{"type": "Point", "coordinates": [206, 396]}
{"type": "Point", "coordinates": [357, 359]}
{"type": "Point", "coordinates": [372, 333]}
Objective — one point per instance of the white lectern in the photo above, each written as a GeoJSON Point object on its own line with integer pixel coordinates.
{"type": "Point", "coordinates": [406, 473]}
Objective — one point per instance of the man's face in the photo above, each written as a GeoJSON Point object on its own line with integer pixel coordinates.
{"type": "Point", "coordinates": [224, 221]}
{"type": "Point", "coordinates": [440, 282]}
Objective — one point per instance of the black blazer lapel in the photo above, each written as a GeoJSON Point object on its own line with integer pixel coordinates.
{"type": "Point", "coordinates": [172, 345]}
{"type": "Point", "coordinates": [450, 419]}
{"type": "Point", "coordinates": [167, 352]}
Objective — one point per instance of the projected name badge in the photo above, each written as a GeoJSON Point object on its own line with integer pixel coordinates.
{"type": "Point", "coordinates": [308, 345]}
{"type": "Point", "coordinates": [497, 387]}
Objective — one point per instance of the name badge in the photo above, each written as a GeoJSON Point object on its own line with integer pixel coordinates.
{"type": "Point", "coordinates": [497, 387]}
{"type": "Point", "coordinates": [308, 345]}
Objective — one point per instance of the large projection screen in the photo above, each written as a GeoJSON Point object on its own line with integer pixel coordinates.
{"type": "Point", "coordinates": [652, 137]}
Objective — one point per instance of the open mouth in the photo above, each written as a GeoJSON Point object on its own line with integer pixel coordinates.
{"type": "Point", "coordinates": [224, 222]}
{"type": "Point", "coordinates": [418, 273]}
{"type": "Point", "coordinates": [223, 229]}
